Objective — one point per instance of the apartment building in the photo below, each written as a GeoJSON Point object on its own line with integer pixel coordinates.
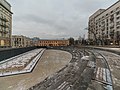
{"type": "Point", "coordinates": [91, 22]}
{"type": "Point", "coordinates": [104, 26]}
{"type": "Point", "coordinates": [5, 23]}
{"type": "Point", "coordinates": [21, 41]}
{"type": "Point", "coordinates": [53, 43]}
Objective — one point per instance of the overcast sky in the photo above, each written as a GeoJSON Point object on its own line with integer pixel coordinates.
{"type": "Point", "coordinates": [54, 18]}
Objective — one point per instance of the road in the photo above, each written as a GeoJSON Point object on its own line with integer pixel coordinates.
{"type": "Point", "coordinates": [75, 76]}
{"type": "Point", "coordinates": [88, 70]}
{"type": "Point", "coordinates": [114, 63]}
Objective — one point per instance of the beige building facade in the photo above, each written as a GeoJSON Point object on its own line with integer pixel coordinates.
{"type": "Point", "coordinates": [21, 41]}
{"type": "Point", "coordinates": [92, 24]}
{"type": "Point", "coordinates": [5, 23]}
{"type": "Point", "coordinates": [53, 43]}
{"type": "Point", "coordinates": [104, 26]}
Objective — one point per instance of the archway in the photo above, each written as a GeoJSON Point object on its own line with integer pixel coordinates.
{"type": "Point", "coordinates": [2, 43]}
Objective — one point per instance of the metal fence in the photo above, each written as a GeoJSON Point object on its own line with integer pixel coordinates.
{"type": "Point", "coordinates": [11, 52]}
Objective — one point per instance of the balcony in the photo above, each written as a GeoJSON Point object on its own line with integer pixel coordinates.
{"type": "Point", "coordinates": [4, 25]}
{"type": "Point", "coordinates": [111, 18]}
{"type": "Point", "coordinates": [118, 15]}
{"type": "Point", "coordinates": [118, 23]}
{"type": "Point", "coordinates": [103, 27]}
{"type": "Point", "coordinates": [112, 26]}
{"type": "Point", "coordinates": [118, 37]}
{"type": "Point", "coordinates": [4, 19]}
{"type": "Point", "coordinates": [4, 31]}
{"type": "Point", "coordinates": [111, 34]}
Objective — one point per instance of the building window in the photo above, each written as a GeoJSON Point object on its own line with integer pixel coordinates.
{"type": "Point", "coordinates": [107, 32]}
{"type": "Point", "coordinates": [107, 14]}
{"type": "Point", "coordinates": [112, 27]}
{"type": "Point", "coordinates": [107, 28]}
{"type": "Point", "coordinates": [117, 13]}
{"type": "Point", "coordinates": [107, 24]}
{"type": "Point", "coordinates": [117, 8]}
{"type": "Point", "coordinates": [118, 23]}
{"type": "Point", "coordinates": [118, 27]}
{"type": "Point", "coordinates": [111, 11]}
{"type": "Point", "coordinates": [117, 18]}
{"type": "Point", "coordinates": [106, 20]}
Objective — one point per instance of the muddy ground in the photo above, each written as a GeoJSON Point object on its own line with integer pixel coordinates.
{"type": "Point", "coordinates": [51, 62]}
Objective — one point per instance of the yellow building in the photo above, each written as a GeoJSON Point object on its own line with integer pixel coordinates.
{"type": "Point", "coordinates": [53, 43]}
{"type": "Point", "coordinates": [5, 23]}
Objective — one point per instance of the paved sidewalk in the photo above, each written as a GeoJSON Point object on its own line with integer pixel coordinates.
{"type": "Point", "coordinates": [110, 49]}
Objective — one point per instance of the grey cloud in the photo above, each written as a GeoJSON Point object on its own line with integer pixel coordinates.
{"type": "Point", "coordinates": [40, 20]}
{"type": "Point", "coordinates": [54, 18]}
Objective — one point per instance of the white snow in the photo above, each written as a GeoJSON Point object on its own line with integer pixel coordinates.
{"type": "Point", "coordinates": [85, 58]}
{"type": "Point", "coordinates": [20, 64]}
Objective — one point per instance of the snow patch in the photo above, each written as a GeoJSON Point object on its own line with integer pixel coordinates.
{"type": "Point", "coordinates": [22, 64]}
{"type": "Point", "coordinates": [85, 58]}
